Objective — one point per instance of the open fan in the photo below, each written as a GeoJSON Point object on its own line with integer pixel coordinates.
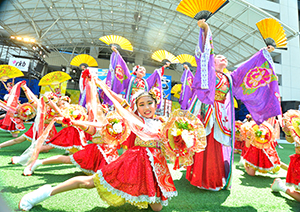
{"type": "Point", "coordinates": [55, 77]}
{"type": "Point", "coordinates": [200, 9]}
{"type": "Point", "coordinates": [176, 89]}
{"type": "Point", "coordinates": [187, 58]}
{"type": "Point", "coordinates": [116, 39]}
{"type": "Point", "coordinates": [7, 71]}
{"type": "Point", "coordinates": [84, 59]}
{"type": "Point", "coordinates": [161, 55]}
{"type": "Point", "coordinates": [272, 33]}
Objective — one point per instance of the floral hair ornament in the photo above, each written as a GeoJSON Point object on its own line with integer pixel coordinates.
{"type": "Point", "coordinates": [135, 68]}
{"type": "Point", "coordinates": [155, 94]}
{"type": "Point", "coordinates": [86, 74]}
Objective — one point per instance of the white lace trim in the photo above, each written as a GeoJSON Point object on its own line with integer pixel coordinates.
{"type": "Point", "coordinates": [269, 58]}
{"type": "Point", "coordinates": [165, 193]}
{"type": "Point", "coordinates": [65, 148]}
{"type": "Point", "coordinates": [204, 57]}
{"type": "Point", "coordinates": [128, 197]}
{"type": "Point", "coordinates": [78, 166]}
{"type": "Point", "coordinates": [297, 187]}
{"type": "Point", "coordinates": [30, 139]}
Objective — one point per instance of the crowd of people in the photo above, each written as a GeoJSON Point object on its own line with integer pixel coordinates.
{"type": "Point", "coordinates": [140, 175]}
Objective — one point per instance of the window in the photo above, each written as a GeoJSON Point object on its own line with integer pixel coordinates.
{"type": "Point", "coordinates": [276, 57]}
{"type": "Point", "coordinates": [279, 79]}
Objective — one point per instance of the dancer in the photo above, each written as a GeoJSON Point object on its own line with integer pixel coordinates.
{"type": "Point", "coordinates": [261, 154]}
{"type": "Point", "coordinates": [29, 133]}
{"type": "Point", "coordinates": [213, 104]}
{"type": "Point", "coordinates": [90, 159]}
{"type": "Point", "coordinates": [292, 134]}
{"type": "Point", "coordinates": [94, 156]}
{"type": "Point", "coordinates": [143, 174]}
{"type": "Point", "coordinates": [71, 138]}
{"type": "Point", "coordinates": [11, 122]}
{"type": "Point", "coordinates": [120, 79]}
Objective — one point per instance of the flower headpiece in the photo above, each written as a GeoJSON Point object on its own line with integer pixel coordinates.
{"type": "Point", "coordinates": [135, 68]}
{"type": "Point", "coordinates": [155, 94]}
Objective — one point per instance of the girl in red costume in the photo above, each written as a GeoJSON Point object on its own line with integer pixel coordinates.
{"type": "Point", "coordinates": [11, 122]}
{"type": "Point", "coordinates": [291, 127]}
{"type": "Point", "coordinates": [140, 176]}
{"type": "Point", "coordinates": [261, 154]}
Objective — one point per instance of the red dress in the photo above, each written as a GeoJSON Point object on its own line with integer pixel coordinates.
{"type": "Point", "coordinates": [93, 157]}
{"type": "Point", "coordinates": [207, 171]}
{"type": "Point", "coordinates": [293, 173]}
{"type": "Point", "coordinates": [139, 176]}
{"type": "Point", "coordinates": [69, 138]}
{"type": "Point", "coordinates": [212, 168]}
{"type": "Point", "coordinates": [29, 134]}
{"type": "Point", "coordinates": [262, 160]}
{"type": "Point", "coordinates": [16, 125]}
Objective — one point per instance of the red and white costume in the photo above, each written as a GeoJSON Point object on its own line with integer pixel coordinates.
{"type": "Point", "coordinates": [139, 176]}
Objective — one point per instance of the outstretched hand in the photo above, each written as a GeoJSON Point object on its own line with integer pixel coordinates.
{"type": "Point", "coordinates": [202, 24]}
{"type": "Point", "coordinates": [167, 64]}
{"type": "Point", "coordinates": [270, 48]}
{"type": "Point", "coordinates": [114, 48]}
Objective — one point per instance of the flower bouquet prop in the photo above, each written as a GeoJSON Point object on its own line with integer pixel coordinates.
{"type": "Point", "coordinates": [292, 122]}
{"type": "Point", "coordinates": [183, 136]}
{"type": "Point", "coordinates": [26, 111]}
{"type": "Point", "coordinates": [115, 132]}
{"type": "Point", "coordinates": [74, 112]}
{"type": "Point", "coordinates": [260, 136]}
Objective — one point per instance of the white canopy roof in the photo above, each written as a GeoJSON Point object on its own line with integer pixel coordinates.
{"type": "Point", "coordinates": [76, 25]}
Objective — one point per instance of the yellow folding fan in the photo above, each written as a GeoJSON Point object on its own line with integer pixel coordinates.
{"type": "Point", "coordinates": [84, 59]}
{"type": "Point", "coordinates": [161, 55]}
{"type": "Point", "coordinates": [187, 58]}
{"type": "Point", "coordinates": [116, 39]}
{"type": "Point", "coordinates": [272, 33]}
{"type": "Point", "coordinates": [54, 78]}
{"type": "Point", "coordinates": [200, 9]}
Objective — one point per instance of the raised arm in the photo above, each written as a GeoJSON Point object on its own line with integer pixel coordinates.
{"type": "Point", "coordinates": [204, 26]}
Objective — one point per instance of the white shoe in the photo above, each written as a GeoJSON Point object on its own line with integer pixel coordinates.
{"type": "Point", "coordinates": [28, 172]}
{"type": "Point", "coordinates": [15, 159]}
{"type": "Point", "coordinates": [20, 159]}
{"type": "Point", "coordinates": [33, 198]}
{"type": "Point", "coordinates": [278, 185]}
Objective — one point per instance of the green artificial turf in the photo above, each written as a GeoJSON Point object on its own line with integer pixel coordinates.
{"type": "Point", "coordinates": [247, 193]}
